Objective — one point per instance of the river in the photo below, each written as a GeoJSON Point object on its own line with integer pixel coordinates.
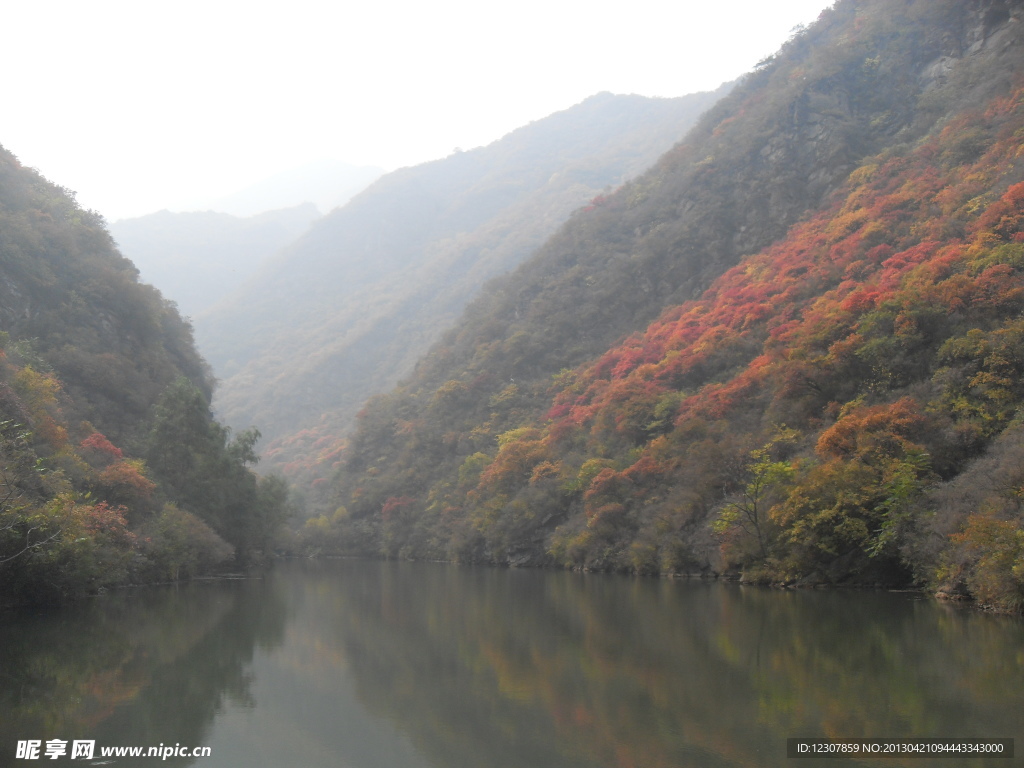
{"type": "Point", "coordinates": [367, 664]}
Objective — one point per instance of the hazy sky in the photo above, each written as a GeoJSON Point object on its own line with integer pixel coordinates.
{"type": "Point", "coordinates": [139, 105]}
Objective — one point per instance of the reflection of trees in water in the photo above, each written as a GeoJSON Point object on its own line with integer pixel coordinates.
{"type": "Point", "coordinates": [138, 667]}
{"type": "Point", "coordinates": [881, 665]}
{"type": "Point", "coordinates": [511, 668]}
{"type": "Point", "coordinates": [526, 668]}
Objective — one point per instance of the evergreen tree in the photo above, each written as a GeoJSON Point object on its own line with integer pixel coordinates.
{"type": "Point", "coordinates": [204, 470]}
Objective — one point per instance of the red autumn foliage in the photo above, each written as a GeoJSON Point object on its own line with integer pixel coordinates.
{"type": "Point", "coordinates": [99, 443]}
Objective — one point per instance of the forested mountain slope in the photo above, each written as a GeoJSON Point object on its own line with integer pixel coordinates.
{"type": "Point", "coordinates": [791, 348]}
{"type": "Point", "coordinates": [347, 310]}
{"type": "Point", "coordinates": [75, 305]}
{"type": "Point", "coordinates": [198, 258]}
{"type": "Point", "coordinates": [111, 467]}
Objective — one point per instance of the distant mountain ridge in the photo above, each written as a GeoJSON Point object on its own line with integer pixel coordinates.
{"type": "Point", "coordinates": [345, 311]}
{"type": "Point", "coordinates": [327, 184]}
{"type": "Point", "coordinates": [198, 258]}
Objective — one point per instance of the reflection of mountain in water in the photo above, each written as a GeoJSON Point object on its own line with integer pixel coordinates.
{"type": "Point", "coordinates": [513, 668]}
{"type": "Point", "coordinates": [138, 668]}
{"type": "Point", "coordinates": [307, 709]}
{"type": "Point", "coordinates": [408, 665]}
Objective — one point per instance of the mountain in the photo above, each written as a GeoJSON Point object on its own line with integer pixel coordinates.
{"type": "Point", "coordinates": [74, 305]}
{"type": "Point", "coordinates": [111, 466]}
{"type": "Point", "coordinates": [327, 184]}
{"type": "Point", "coordinates": [789, 350]}
{"type": "Point", "coordinates": [345, 311]}
{"type": "Point", "coordinates": [198, 258]}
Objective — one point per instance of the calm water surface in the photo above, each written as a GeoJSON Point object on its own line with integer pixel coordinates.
{"type": "Point", "coordinates": [401, 665]}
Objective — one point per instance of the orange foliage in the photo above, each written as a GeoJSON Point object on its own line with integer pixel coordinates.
{"type": "Point", "coordinates": [126, 478]}
{"type": "Point", "coordinates": [887, 426]}
{"type": "Point", "coordinates": [101, 445]}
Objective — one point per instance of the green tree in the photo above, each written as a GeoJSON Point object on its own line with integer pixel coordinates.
{"type": "Point", "coordinates": [761, 479]}
{"type": "Point", "coordinates": [23, 527]}
{"type": "Point", "coordinates": [857, 502]}
{"type": "Point", "coordinates": [203, 470]}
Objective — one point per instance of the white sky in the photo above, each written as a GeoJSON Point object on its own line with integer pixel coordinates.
{"type": "Point", "coordinates": [139, 105]}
